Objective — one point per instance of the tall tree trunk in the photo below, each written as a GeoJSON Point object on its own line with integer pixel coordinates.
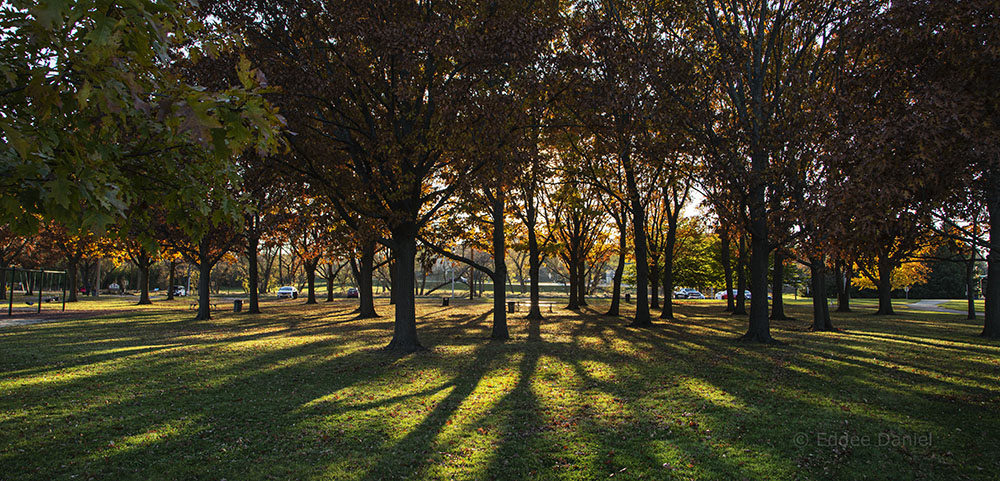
{"type": "Point", "coordinates": [759, 329]}
{"type": "Point", "coordinates": [884, 286]}
{"type": "Point", "coordinates": [329, 282]}
{"type": "Point", "coordinates": [423, 280]}
{"type": "Point", "coordinates": [991, 318]}
{"type": "Point", "coordinates": [741, 280]}
{"type": "Point", "coordinates": [654, 286]}
{"type": "Point", "coordinates": [253, 244]}
{"type": "Point", "coordinates": [668, 268]}
{"type": "Point", "coordinates": [727, 267]}
{"type": "Point", "coordinates": [204, 283]}
{"type": "Point", "coordinates": [616, 285]}
{"type": "Point", "coordinates": [366, 273]}
{"type": "Point", "coordinates": [95, 293]}
{"type": "Point", "coordinates": [143, 265]}
{"type": "Point", "coordinates": [821, 308]}
{"type": "Point", "coordinates": [171, 278]}
{"type": "Point", "coordinates": [778, 287]}
{"type": "Point", "coordinates": [72, 265]}
{"type": "Point", "coordinates": [534, 268]}
{"type": "Point", "coordinates": [500, 332]}
{"type": "Point", "coordinates": [581, 275]}
{"type": "Point", "coordinates": [404, 252]}
{"type": "Point", "coordinates": [843, 276]}
{"type": "Point", "coordinates": [574, 302]}
{"type": "Point", "coordinates": [642, 317]}
{"type": "Point", "coordinates": [970, 291]}
{"type": "Point", "coordinates": [265, 285]}
{"type": "Point", "coordinates": [473, 277]}
{"type": "Point", "coordinates": [281, 278]}
{"type": "Point", "coordinates": [310, 267]}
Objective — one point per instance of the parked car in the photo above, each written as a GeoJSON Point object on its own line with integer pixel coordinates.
{"type": "Point", "coordinates": [288, 292]}
{"type": "Point", "coordinates": [352, 292]}
{"type": "Point", "coordinates": [686, 293]}
{"type": "Point", "coordinates": [180, 291]}
{"type": "Point", "coordinates": [696, 295]}
{"type": "Point", "coordinates": [722, 294]}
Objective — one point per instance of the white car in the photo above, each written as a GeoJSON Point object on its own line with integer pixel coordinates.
{"type": "Point", "coordinates": [696, 295]}
{"type": "Point", "coordinates": [722, 294]}
{"type": "Point", "coordinates": [288, 292]}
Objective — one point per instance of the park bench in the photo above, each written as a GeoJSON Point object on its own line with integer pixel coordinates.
{"type": "Point", "coordinates": [527, 305]}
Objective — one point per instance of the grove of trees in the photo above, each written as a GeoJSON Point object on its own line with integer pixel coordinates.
{"type": "Point", "coordinates": [646, 145]}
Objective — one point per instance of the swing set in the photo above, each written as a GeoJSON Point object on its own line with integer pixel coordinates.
{"type": "Point", "coordinates": [50, 286]}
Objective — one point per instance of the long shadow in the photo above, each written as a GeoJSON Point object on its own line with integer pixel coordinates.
{"type": "Point", "coordinates": [234, 404]}
{"type": "Point", "coordinates": [407, 456]}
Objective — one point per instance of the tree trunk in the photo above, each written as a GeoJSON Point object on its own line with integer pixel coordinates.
{"type": "Point", "coordinates": [642, 317]}
{"type": "Point", "coordinates": [581, 276]}
{"type": "Point", "coordinates": [727, 268]}
{"type": "Point", "coordinates": [616, 284]}
{"type": "Point", "coordinates": [654, 286]}
{"type": "Point", "coordinates": [778, 287]}
{"type": "Point", "coordinates": [204, 283]}
{"type": "Point", "coordinates": [668, 269]}
{"type": "Point", "coordinates": [253, 242]}
{"type": "Point", "coordinates": [821, 308]}
{"type": "Point", "coordinates": [171, 278]}
{"type": "Point", "coordinates": [97, 279]}
{"type": "Point", "coordinates": [404, 247]}
{"type": "Point", "coordinates": [884, 287]}
{"type": "Point", "coordinates": [265, 285]}
{"type": "Point", "coordinates": [281, 278]}
{"type": "Point", "coordinates": [72, 263]}
{"type": "Point", "coordinates": [759, 329]}
{"type": "Point", "coordinates": [574, 302]}
{"type": "Point", "coordinates": [366, 272]}
{"type": "Point", "coordinates": [310, 267]}
{"type": "Point", "coordinates": [329, 282]}
{"type": "Point", "coordinates": [970, 291]}
{"type": "Point", "coordinates": [741, 280]}
{"type": "Point", "coordinates": [500, 332]}
{"type": "Point", "coordinates": [991, 318]}
{"type": "Point", "coordinates": [423, 281]}
{"type": "Point", "coordinates": [473, 275]}
{"type": "Point", "coordinates": [843, 276]}
{"type": "Point", "coordinates": [534, 266]}
{"type": "Point", "coordinates": [143, 265]}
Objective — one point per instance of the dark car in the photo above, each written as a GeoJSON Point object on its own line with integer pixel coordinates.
{"type": "Point", "coordinates": [352, 292]}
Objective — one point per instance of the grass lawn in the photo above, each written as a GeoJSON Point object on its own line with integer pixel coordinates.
{"type": "Point", "coordinates": [304, 392]}
{"type": "Point", "coordinates": [964, 305]}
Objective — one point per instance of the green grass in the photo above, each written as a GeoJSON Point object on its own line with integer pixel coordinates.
{"type": "Point", "coordinates": [306, 393]}
{"type": "Point", "coordinates": [964, 305]}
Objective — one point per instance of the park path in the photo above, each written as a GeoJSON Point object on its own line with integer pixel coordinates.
{"type": "Point", "coordinates": [21, 321]}
{"type": "Point", "coordinates": [932, 305]}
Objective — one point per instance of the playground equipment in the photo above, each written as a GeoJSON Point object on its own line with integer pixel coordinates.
{"type": "Point", "coordinates": [37, 287]}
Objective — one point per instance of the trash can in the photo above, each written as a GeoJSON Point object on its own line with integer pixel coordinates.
{"type": "Point", "coordinates": [295, 295]}
{"type": "Point", "coordinates": [511, 305]}
{"type": "Point", "coordinates": [238, 305]}
{"type": "Point", "coordinates": [628, 297]}
{"type": "Point", "coordinates": [444, 301]}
